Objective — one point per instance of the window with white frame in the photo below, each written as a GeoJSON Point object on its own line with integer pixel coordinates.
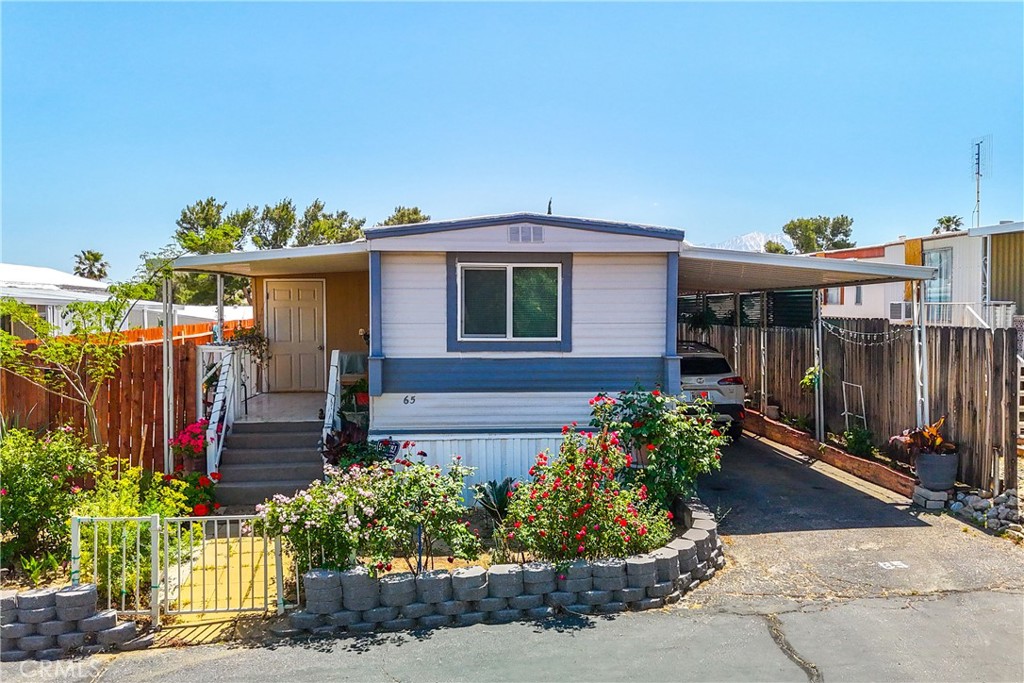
{"type": "Point", "coordinates": [834, 296]}
{"type": "Point", "coordinates": [858, 296]}
{"type": "Point", "coordinates": [940, 288]}
{"type": "Point", "coordinates": [510, 301]}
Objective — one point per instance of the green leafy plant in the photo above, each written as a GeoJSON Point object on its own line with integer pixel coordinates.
{"type": "Point", "coordinates": [701, 321]}
{"type": "Point", "coordinates": [493, 497]}
{"type": "Point", "coordinates": [811, 378]}
{"type": "Point", "coordinates": [254, 341]}
{"type": "Point", "coordinates": [351, 396]}
{"type": "Point", "coordinates": [200, 490]}
{"type": "Point", "coordinates": [858, 441]}
{"type": "Point", "coordinates": [35, 568]}
{"type": "Point", "coordinates": [670, 443]}
{"type": "Point", "coordinates": [927, 439]}
{"type": "Point", "coordinates": [574, 506]}
{"type": "Point", "coordinates": [41, 480]}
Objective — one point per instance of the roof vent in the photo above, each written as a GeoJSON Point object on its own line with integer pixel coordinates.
{"type": "Point", "coordinates": [526, 233]}
{"type": "Point", "coordinates": [1005, 222]}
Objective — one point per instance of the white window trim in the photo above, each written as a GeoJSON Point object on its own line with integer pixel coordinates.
{"type": "Point", "coordinates": [509, 268]}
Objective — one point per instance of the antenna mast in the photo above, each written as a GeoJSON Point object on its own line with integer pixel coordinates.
{"type": "Point", "coordinates": [981, 153]}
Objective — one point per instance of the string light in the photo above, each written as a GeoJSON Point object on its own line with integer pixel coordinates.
{"type": "Point", "coordinates": [858, 338]}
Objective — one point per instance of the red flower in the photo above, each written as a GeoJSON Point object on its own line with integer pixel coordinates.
{"type": "Point", "coordinates": [670, 515]}
{"type": "Point", "coordinates": [651, 446]}
{"type": "Point", "coordinates": [215, 476]}
{"type": "Point", "coordinates": [715, 432]}
{"type": "Point", "coordinates": [168, 477]}
{"type": "Point", "coordinates": [204, 481]}
{"type": "Point", "coordinates": [655, 393]}
{"type": "Point", "coordinates": [201, 510]}
{"type": "Point", "coordinates": [216, 506]}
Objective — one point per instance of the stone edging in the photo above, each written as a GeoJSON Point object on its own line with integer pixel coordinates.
{"type": "Point", "coordinates": [51, 623]}
{"type": "Point", "coordinates": [354, 602]}
{"type": "Point", "coordinates": [875, 472]}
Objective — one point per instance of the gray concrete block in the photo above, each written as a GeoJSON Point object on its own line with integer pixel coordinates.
{"type": "Point", "coordinates": [362, 627]}
{"type": "Point", "coordinates": [16, 630]}
{"type": "Point", "coordinates": [693, 584]}
{"type": "Point", "coordinates": [629, 595]}
{"type": "Point", "coordinates": [100, 621]}
{"type": "Point", "coordinates": [505, 580]}
{"type": "Point", "coordinates": [451, 607]}
{"type": "Point", "coordinates": [700, 571]}
{"type": "Point", "coordinates": [398, 590]}
{"type": "Point", "coordinates": [434, 586]}
{"type": "Point", "coordinates": [580, 569]}
{"type": "Point", "coordinates": [702, 540]}
{"type": "Point", "coordinates": [661, 589]}
{"type": "Point", "coordinates": [321, 579]}
{"type": "Point", "coordinates": [610, 607]}
{"type": "Point", "coordinates": [688, 564]}
{"type": "Point", "coordinates": [75, 613]}
{"type": "Point", "coordinates": [379, 614]}
{"type": "Point", "coordinates": [37, 616]}
{"type": "Point", "coordinates": [142, 642]}
{"type": "Point", "coordinates": [76, 596]}
{"type": "Point", "coordinates": [568, 585]}
{"type": "Point", "coordinates": [684, 547]}
{"type": "Point", "coordinates": [435, 621]}
{"type": "Point", "coordinates": [611, 568]}
{"type": "Point", "coordinates": [325, 631]}
{"type": "Point", "coordinates": [36, 642]}
{"type": "Point", "coordinates": [400, 624]}
{"type": "Point", "coordinates": [8, 600]}
{"type": "Point", "coordinates": [526, 601]}
{"type": "Point", "coordinates": [538, 572]}
{"type": "Point", "coordinates": [641, 580]}
{"type": "Point", "coordinates": [504, 616]}
{"type": "Point", "coordinates": [560, 599]}
{"type": "Point", "coordinates": [468, 578]}
{"type": "Point", "coordinates": [541, 587]}
{"type": "Point", "coordinates": [344, 618]}
{"type": "Point", "coordinates": [359, 590]}
{"type": "Point", "coordinates": [710, 573]}
{"type": "Point", "coordinates": [72, 640]}
{"type": "Point", "coordinates": [610, 583]}
{"type": "Point", "coordinates": [323, 606]}
{"type": "Point", "coordinates": [299, 619]}
{"type": "Point", "coordinates": [579, 609]}
{"type": "Point", "coordinates": [470, 594]}
{"type": "Point", "coordinates": [55, 628]}
{"type": "Point", "coordinates": [644, 565]}
{"type": "Point", "coordinates": [490, 604]}
{"type": "Point", "coordinates": [470, 618]}
{"type": "Point", "coordinates": [649, 603]}
{"type": "Point", "coordinates": [719, 562]}
{"type": "Point", "coordinates": [416, 610]}
{"type": "Point", "coordinates": [594, 597]}
{"type": "Point", "coordinates": [94, 649]}
{"type": "Point", "coordinates": [684, 581]}
{"type": "Point", "coordinates": [928, 494]}
{"type": "Point", "coordinates": [542, 612]}
{"type": "Point", "coordinates": [667, 561]}
{"type": "Point", "coordinates": [673, 597]}
{"type": "Point", "coordinates": [8, 616]}
{"type": "Point", "coordinates": [323, 595]}
{"type": "Point", "coordinates": [37, 598]}
{"type": "Point", "coordinates": [50, 654]}
{"type": "Point", "coordinates": [14, 655]}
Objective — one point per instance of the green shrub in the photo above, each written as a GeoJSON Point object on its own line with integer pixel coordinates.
{"type": "Point", "coordinates": [40, 479]}
{"type": "Point", "coordinates": [673, 442]}
{"type": "Point", "coordinates": [858, 441]}
{"type": "Point", "coordinates": [574, 506]}
{"type": "Point", "coordinates": [116, 555]}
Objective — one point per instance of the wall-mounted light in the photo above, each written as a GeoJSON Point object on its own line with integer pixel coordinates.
{"type": "Point", "coordinates": [365, 335]}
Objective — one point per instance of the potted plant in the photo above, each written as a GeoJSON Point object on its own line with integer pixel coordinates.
{"type": "Point", "coordinates": [357, 395]}
{"type": "Point", "coordinates": [934, 459]}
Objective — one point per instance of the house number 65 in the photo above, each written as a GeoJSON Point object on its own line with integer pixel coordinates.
{"type": "Point", "coordinates": [409, 400]}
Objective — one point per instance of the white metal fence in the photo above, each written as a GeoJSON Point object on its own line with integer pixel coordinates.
{"type": "Point", "coordinates": [180, 565]}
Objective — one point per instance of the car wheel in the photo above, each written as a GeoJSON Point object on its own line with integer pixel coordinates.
{"type": "Point", "coordinates": [735, 431]}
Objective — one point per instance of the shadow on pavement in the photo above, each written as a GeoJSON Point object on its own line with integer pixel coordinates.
{"type": "Point", "coordinates": [761, 489]}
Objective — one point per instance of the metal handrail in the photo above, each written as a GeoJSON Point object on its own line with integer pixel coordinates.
{"type": "Point", "coordinates": [222, 411]}
{"type": "Point", "coordinates": [331, 404]}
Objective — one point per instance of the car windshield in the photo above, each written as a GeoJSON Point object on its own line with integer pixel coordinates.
{"type": "Point", "coordinates": [704, 365]}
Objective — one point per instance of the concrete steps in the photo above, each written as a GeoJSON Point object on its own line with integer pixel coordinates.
{"type": "Point", "coordinates": [262, 459]}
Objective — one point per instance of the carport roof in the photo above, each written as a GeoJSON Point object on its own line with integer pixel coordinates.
{"type": "Point", "coordinates": [706, 269]}
{"type": "Point", "coordinates": [328, 258]}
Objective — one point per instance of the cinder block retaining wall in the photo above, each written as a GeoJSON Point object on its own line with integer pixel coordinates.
{"type": "Point", "coordinates": [51, 623]}
{"type": "Point", "coordinates": [354, 602]}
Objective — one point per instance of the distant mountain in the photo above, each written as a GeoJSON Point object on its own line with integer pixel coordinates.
{"type": "Point", "coordinates": [754, 241]}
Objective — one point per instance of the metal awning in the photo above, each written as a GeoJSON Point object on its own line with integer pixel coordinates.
{"type": "Point", "coordinates": [706, 269]}
{"type": "Point", "coordinates": [328, 258]}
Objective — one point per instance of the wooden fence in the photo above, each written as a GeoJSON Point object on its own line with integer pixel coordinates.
{"type": "Point", "coordinates": [972, 380]}
{"type": "Point", "coordinates": [130, 405]}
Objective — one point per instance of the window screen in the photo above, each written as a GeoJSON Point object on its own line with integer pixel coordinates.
{"type": "Point", "coordinates": [535, 302]}
{"type": "Point", "coordinates": [484, 302]}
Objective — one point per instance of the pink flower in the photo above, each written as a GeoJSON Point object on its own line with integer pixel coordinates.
{"type": "Point", "coordinates": [3, 492]}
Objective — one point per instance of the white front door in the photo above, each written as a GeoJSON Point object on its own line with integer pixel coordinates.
{"type": "Point", "coordinates": [295, 329]}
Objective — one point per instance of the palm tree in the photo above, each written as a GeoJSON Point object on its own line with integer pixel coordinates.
{"type": "Point", "coordinates": [948, 224]}
{"type": "Point", "coordinates": [90, 264]}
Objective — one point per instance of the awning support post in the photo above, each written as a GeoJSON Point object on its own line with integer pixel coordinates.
{"type": "Point", "coordinates": [168, 374]}
{"type": "Point", "coordinates": [920, 339]}
{"type": "Point", "coordinates": [218, 330]}
{"type": "Point", "coordinates": [819, 398]}
{"type": "Point", "coordinates": [763, 351]}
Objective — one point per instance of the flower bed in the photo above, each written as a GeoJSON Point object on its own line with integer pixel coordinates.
{"type": "Point", "coordinates": [353, 601]}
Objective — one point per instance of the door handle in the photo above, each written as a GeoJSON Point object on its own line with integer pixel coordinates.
{"type": "Point", "coordinates": [321, 347]}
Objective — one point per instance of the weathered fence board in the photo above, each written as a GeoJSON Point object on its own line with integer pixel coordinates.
{"type": "Point", "coordinates": [972, 380]}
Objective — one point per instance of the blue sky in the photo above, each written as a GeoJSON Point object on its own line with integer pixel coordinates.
{"type": "Point", "coordinates": [717, 118]}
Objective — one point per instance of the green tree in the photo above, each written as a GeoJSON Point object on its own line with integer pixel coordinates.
{"type": "Point", "coordinates": [406, 215]}
{"type": "Point", "coordinates": [90, 264]}
{"type": "Point", "coordinates": [773, 247]}
{"type": "Point", "coordinates": [276, 226]}
{"type": "Point", "coordinates": [822, 233]}
{"type": "Point", "coordinates": [948, 224]}
{"type": "Point", "coordinates": [321, 227]}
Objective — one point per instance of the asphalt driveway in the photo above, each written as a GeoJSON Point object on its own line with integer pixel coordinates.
{"type": "Point", "coordinates": [828, 579]}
